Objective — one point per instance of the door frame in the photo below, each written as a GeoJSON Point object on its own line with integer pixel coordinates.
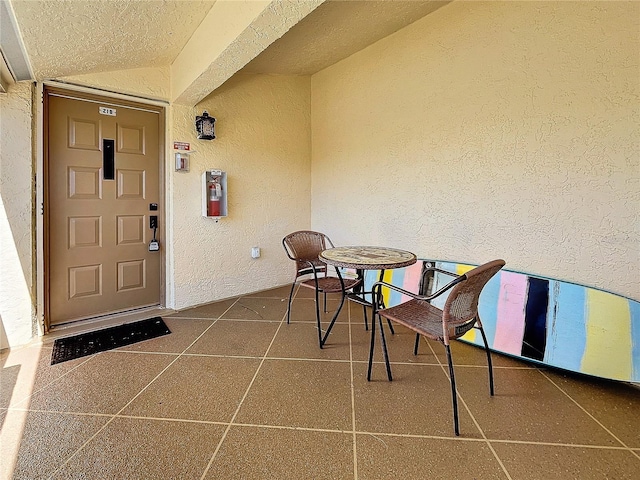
{"type": "Point", "coordinates": [41, 212]}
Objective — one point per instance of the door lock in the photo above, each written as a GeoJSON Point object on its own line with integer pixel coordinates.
{"type": "Point", "coordinates": [154, 245]}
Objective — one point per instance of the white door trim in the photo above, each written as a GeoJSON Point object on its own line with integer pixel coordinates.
{"type": "Point", "coordinates": [73, 87]}
{"type": "Point", "coordinates": [38, 111]}
{"type": "Point", "coordinates": [38, 103]}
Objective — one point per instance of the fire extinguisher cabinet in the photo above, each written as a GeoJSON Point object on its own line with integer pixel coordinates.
{"type": "Point", "coordinates": [214, 194]}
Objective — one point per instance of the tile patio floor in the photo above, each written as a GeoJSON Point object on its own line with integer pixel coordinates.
{"type": "Point", "coordinates": [236, 393]}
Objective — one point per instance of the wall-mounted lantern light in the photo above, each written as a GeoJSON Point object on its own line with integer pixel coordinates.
{"type": "Point", "coordinates": [204, 126]}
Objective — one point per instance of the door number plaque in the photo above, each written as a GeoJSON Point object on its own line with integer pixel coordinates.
{"type": "Point", "coordinates": [107, 111]}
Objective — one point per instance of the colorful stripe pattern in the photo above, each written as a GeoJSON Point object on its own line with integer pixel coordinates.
{"type": "Point", "coordinates": [548, 321]}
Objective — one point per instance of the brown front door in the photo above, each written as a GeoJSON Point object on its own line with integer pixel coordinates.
{"type": "Point", "coordinates": [102, 185]}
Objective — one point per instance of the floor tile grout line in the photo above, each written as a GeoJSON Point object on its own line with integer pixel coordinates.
{"type": "Point", "coordinates": [265, 357]}
{"type": "Point", "coordinates": [255, 357]}
{"type": "Point", "coordinates": [473, 418]}
{"type": "Point", "coordinates": [353, 399]}
{"type": "Point", "coordinates": [496, 440]}
{"type": "Point", "coordinates": [484, 439]}
{"type": "Point", "coordinates": [231, 423]}
{"type": "Point", "coordinates": [141, 352]}
{"type": "Point", "coordinates": [349, 432]}
{"type": "Point", "coordinates": [174, 420]}
{"type": "Point", "coordinates": [353, 432]}
{"type": "Point", "coordinates": [62, 412]}
{"type": "Point", "coordinates": [424, 364]}
{"type": "Point", "coordinates": [558, 444]}
{"type": "Point", "coordinates": [248, 320]}
{"type": "Point", "coordinates": [113, 417]}
{"type": "Point", "coordinates": [245, 320]}
{"type": "Point", "coordinates": [588, 413]}
{"type": "Point", "coordinates": [183, 353]}
{"type": "Point", "coordinates": [336, 360]}
{"type": "Point", "coordinates": [338, 431]}
{"type": "Point", "coordinates": [70, 457]}
{"type": "Point", "coordinates": [293, 428]}
{"type": "Point", "coordinates": [57, 379]}
{"type": "Point", "coordinates": [278, 297]}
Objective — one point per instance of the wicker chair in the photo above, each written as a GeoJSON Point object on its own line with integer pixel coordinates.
{"type": "Point", "coordinates": [458, 316]}
{"type": "Point", "coordinates": [304, 247]}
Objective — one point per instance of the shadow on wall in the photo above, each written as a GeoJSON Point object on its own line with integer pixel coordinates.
{"type": "Point", "coordinates": [17, 172]}
{"type": "Point", "coordinates": [17, 293]}
{"type": "Point", "coordinates": [4, 341]}
{"type": "Point", "coordinates": [9, 375]}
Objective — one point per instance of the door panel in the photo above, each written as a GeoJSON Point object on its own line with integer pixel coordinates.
{"type": "Point", "coordinates": [98, 234]}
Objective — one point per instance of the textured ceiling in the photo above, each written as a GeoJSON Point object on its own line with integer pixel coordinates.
{"type": "Point", "coordinates": [335, 30]}
{"type": "Point", "coordinates": [71, 37]}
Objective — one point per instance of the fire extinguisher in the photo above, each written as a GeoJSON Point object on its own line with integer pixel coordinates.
{"type": "Point", "coordinates": [215, 193]}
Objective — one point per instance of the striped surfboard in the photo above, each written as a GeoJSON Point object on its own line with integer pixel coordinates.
{"type": "Point", "coordinates": [547, 321]}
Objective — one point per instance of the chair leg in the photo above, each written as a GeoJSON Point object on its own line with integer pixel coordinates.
{"type": "Point", "coordinates": [324, 302]}
{"type": "Point", "coordinates": [333, 320]}
{"type": "Point", "coordinates": [486, 349]}
{"type": "Point", "coordinates": [381, 305]}
{"type": "Point", "coordinates": [343, 296]}
{"type": "Point", "coordinates": [393, 332]}
{"type": "Point", "coordinates": [319, 326]}
{"type": "Point", "coordinates": [293, 285]}
{"type": "Point", "coordinates": [454, 396]}
{"type": "Point", "coordinates": [415, 347]}
{"type": "Point", "coordinates": [384, 349]}
{"type": "Point", "coordinates": [366, 324]}
{"type": "Point", "coordinates": [371, 347]}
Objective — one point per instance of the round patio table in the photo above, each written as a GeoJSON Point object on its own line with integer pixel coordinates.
{"type": "Point", "coordinates": [367, 258]}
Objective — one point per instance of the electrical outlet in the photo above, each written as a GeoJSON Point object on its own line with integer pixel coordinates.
{"type": "Point", "coordinates": [153, 221]}
{"type": "Point", "coordinates": [255, 252]}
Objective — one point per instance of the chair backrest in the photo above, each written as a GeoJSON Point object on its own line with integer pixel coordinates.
{"type": "Point", "coordinates": [304, 246]}
{"type": "Point", "coordinates": [461, 308]}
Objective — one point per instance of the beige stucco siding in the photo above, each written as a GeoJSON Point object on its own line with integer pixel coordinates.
{"type": "Point", "coordinates": [152, 82]}
{"type": "Point", "coordinates": [17, 287]}
{"type": "Point", "coordinates": [486, 129]}
{"type": "Point", "coordinates": [263, 143]}
{"type": "Point", "coordinates": [490, 129]}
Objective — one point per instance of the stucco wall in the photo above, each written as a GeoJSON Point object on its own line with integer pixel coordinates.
{"type": "Point", "coordinates": [153, 83]}
{"type": "Point", "coordinates": [485, 130]}
{"type": "Point", "coordinates": [18, 322]}
{"type": "Point", "coordinates": [17, 288]}
{"type": "Point", "coordinates": [263, 143]}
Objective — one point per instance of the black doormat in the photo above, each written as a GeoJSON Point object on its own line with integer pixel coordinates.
{"type": "Point", "coordinates": [89, 343]}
